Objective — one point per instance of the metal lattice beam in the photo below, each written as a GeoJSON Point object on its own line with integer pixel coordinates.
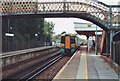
{"type": "Point", "coordinates": [94, 10]}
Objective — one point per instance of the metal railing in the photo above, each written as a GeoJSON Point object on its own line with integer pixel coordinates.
{"type": "Point", "coordinates": [99, 11]}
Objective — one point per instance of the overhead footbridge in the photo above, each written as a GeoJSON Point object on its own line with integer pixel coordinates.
{"type": "Point", "coordinates": [93, 11]}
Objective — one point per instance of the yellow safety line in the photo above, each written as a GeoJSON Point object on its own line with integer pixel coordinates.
{"type": "Point", "coordinates": [63, 68]}
{"type": "Point", "coordinates": [86, 68]}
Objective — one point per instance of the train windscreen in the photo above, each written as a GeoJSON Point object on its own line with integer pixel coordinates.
{"type": "Point", "coordinates": [72, 39]}
{"type": "Point", "coordinates": [63, 39]}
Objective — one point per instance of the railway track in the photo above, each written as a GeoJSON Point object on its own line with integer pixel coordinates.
{"type": "Point", "coordinates": [40, 69]}
{"type": "Point", "coordinates": [31, 71]}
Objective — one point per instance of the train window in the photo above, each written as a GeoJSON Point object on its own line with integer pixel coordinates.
{"type": "Point", "coordinates": [63, 39]}
{"type": "Point", "coordinates": [72, 39]}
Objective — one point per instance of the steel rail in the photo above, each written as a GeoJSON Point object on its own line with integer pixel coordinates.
{"type": "Point", "coordinates": [18, 74]}
{"type": "Point", "coordinates": [40, 69]}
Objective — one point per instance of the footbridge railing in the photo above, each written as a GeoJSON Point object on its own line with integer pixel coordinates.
{"type": "Point", "coordinates": [94, 9]}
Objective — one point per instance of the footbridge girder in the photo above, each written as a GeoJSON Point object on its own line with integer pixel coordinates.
{"type": "Point", "coordinates": [97, 12]}
{"type": "Point", "coordinates": [60, 15]}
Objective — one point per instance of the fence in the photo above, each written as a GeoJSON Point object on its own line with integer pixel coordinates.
{"type": "Point", "coordinates": [116, 52]}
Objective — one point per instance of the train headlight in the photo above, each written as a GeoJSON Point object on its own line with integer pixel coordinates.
{"type": "Point", "coordinates": [72, 45]}
{"type": "Point", "coordinates": [62, 45]}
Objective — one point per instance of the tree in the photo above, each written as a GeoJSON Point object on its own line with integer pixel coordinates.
{"type": "Point", "coordinates": [48, 30]}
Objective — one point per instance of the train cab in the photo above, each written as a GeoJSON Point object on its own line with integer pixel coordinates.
{"type": "Point", "coordinates": [68, 44]}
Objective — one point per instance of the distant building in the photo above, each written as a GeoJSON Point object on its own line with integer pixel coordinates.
{"type": "Point", "coordinates": [87, 29]}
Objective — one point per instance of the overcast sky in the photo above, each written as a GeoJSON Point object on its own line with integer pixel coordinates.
{"type": "Point", "coordinates": [67, 24]}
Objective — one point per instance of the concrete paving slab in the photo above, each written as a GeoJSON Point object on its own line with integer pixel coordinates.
{"type": "Point", "coordinates": [104, 70]}
{"type": "Point", "coordinates": [69, 71]}
{"type": "Point", "coordinates": [97, 69]}
{"type": "Point", "coordinates": [82, 68]}
{"type": "Point", "coordinates": [92, 71]}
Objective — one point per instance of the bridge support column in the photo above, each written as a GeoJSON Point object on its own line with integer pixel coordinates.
{"type": "Point", "coordinates": [111, 32]}
{"type": "Point", "coordinates": [111, 40]}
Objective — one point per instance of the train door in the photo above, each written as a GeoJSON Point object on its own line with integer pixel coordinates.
{"type": "Point", "coordinates": [67, 44]}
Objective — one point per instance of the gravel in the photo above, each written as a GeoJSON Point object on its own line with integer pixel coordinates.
{"type": "Point", "coordinates": [18, 68]}
{"type": "Point", "coordinates": [51, 72]}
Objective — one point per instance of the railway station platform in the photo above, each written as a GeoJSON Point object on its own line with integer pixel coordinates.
{"type": "Point", "coordinates": [86, 67]}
